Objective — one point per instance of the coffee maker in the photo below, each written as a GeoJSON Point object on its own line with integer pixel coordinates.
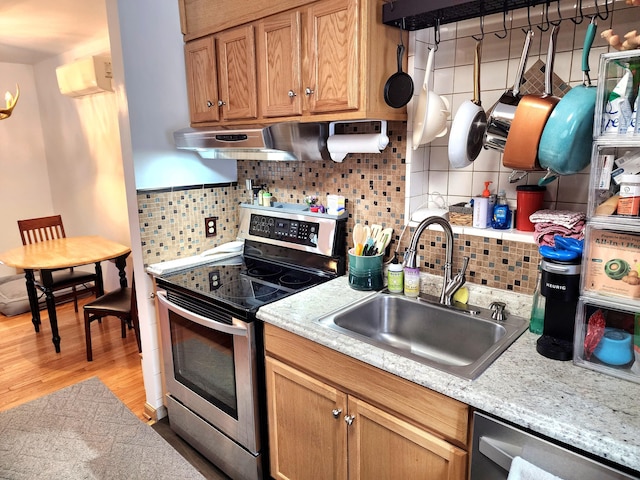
{"type": "Point", "coordinates": [560, 286]}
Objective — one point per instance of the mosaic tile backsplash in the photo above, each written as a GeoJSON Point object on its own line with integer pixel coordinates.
{"type": "Point", "coordinates": [172, 222]}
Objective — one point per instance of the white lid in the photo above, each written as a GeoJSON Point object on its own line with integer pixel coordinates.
{"type": "Point", "coordinates": [629, 178]}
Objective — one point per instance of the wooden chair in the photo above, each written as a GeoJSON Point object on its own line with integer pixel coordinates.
{"type": "Point", "coordinates": [41, 229]}
{"type": "Point", "coordinates": [119, 303]}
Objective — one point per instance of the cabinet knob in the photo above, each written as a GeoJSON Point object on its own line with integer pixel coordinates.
{"type": "Point", "coordinates": [221, 103]}
{"type": "Point", "coordinates": [291, 94]}
{"type": "Point", "coordinates": [209, 103]}
{"type": "Point", "coordinates": [349, 419]}
{"type": "Point", "coordinates": [336, 412]}
{"type": "Point", "coordinates": [308, 91]}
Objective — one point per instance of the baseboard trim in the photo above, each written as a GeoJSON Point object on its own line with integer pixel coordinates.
{"type": "Point", "coordinates": [153, 414]}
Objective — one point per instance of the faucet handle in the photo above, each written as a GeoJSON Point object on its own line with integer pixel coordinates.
{"type": "Point", "coordinates": [498, 311]}
{"type": "Point", "coordinates": [465, 264]}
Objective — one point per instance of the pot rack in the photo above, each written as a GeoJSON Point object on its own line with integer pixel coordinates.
{"type": "Point", "coordinates": [418, 14]}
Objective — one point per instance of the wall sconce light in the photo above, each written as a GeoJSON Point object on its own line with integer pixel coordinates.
{"type": "Point", "coordinates": [11, 101]}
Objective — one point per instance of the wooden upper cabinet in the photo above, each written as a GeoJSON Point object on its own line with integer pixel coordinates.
{"type": "Point", "coordinates": [237, 73]}
{"type": "Point", "coordinates": [202, 80]}
{"type": "Point", "coordinates": [279, 53]}
{"type": "Point", "coordinates": [318, 60]}
{"type": "Point", "coordinates": [333, 49]}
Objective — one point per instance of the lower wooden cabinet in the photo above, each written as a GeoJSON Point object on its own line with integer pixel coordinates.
{"type": "Point", "coordinates": [321, 430]}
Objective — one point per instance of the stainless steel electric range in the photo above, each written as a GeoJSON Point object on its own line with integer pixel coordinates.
{"type": "Point", "coordinates": [212, 342]}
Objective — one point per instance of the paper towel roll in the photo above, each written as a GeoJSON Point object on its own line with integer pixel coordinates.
{"type": "Point", "coordinates": [340, 145]}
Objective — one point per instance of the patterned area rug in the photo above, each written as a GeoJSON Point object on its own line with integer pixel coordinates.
{"type": "Point", "coordinates": [84, 432]}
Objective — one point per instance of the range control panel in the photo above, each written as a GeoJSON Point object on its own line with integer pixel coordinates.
{"type": "Point", "coordinates": [288, 230]}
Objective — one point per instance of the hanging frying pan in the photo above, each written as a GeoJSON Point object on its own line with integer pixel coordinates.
{"type": "Point", "coordinates": [469, 124]}
{"type": "Point", "coordinates": [521, 149]}
{"type": "Point", "coordinates": [432, 111]}
{"type": "Point", "coordinates": [565, 145]}
{"type": "Point", "coordinates": [399, 87]}
{"type": "Point", "coordinates": [500, 116]}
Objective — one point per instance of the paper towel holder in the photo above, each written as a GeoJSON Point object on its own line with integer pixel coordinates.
{"type": "Point", "coordinates": [383, 127]}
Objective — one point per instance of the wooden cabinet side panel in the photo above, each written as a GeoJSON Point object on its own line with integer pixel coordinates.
{"type": "Point", "coordinates": [387, 448]}
{"type": "Point", "coordinates": [237, 72]}
{"type": "Point", "coordinates": [305, 439]}
{"type": "Point", "coordinates": [381, 41]}
{"type": "Point", "coordinates": [202, 83]}
{"type": "Point", "coordinates": [334, 55]}
{"type": "Point", "coordinates": [441, 415]}
{"type": "Point", "coordinates": [279, 65]}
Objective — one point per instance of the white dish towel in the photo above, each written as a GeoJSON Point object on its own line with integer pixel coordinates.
{"type": "Point", "coordinates": [523, 470]}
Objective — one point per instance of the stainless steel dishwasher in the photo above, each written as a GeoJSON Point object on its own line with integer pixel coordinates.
{"type": "Point", "coordinates": [495, 444]}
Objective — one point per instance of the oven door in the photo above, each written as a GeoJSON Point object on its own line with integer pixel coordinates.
{"type": "Point", "coordinates": [210, 367]}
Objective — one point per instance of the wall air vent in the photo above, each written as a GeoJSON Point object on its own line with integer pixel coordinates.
{"type": "Point", "coordinates": [418, 14]}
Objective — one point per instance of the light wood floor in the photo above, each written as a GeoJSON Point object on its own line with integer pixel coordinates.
{"type": "Point", "coordinates": [30, 368]}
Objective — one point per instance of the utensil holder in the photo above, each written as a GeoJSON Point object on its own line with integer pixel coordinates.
{"type": "Point", "coordinates": [365, 272]}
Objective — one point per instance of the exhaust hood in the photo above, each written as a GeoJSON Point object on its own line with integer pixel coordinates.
{"type": "Point", "coordinates": [278, 142]}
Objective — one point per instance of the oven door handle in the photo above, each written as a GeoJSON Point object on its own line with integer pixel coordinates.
{"type": "Point", "coordinates": [204, 321]}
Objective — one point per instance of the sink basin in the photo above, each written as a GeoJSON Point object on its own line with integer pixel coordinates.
{"type": "Point", "coordinates": [461, 341]}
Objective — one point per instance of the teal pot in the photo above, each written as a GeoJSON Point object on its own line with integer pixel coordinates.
{"type": "Point", "coordinates": [565, 144]}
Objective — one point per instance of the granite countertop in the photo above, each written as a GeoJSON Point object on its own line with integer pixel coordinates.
{"type": "Point", "coordinates": [589, 410]}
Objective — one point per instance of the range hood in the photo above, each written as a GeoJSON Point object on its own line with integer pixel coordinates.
{"type": "Point", "coordinates": [289, 141]}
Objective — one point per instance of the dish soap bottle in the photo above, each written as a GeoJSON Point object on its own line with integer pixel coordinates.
{"type": "Point", "coordinates": [395, 276]}
{"type": "Point", "coordinates": [411, 282]}
{"type": "Point", "coordinates": [501, 218]}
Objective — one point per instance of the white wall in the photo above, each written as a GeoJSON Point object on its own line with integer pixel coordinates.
{"type": "Point", "coordinates": [82, 145]}
{"type": "Point", "coordinates": [150, 82]}
{"type": "Point", "coordinates": [24, 174]}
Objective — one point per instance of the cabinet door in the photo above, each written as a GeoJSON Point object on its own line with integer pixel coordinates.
{"type": "Point", "coordinates": [279, 67]}
{"type": "Point", "coordinates": [237, 73]}
{"type": "Point", "coordinates": [202, 80]}
{"type": "Point", "coordinates": [383, 446]}
{"type": "Point", "coordinates": [333, 49]}
{"type": "Point", "coordinates": [307, 433]}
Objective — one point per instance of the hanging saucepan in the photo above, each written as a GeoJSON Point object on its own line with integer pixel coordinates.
{"type": "Point", "coordinates": [565, 145]}
{"type": "Point", "coordinates": [399, 87]}
{"type": "Point", "coordinates": [500, 116]}
{"type": "Point", "coordinates": [521, 149]}
{"type": "Point", "coordinates": [469, 124]}
{"type": "Point", "coordinates": [432, 111]}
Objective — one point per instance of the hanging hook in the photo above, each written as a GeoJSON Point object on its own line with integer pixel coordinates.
{"type": "Point", "coordinates": [528, 19]}
{"type": "Point", "coordinates": [481, 24]}
{"type": "Point", "coordinates": [546, 18]}
{"type": "Point", "coordinates": [504, 33]}
{"type": "Point", "coordinates": [559, 21]}
{"type": "Point", "coordinates": [606, 6]}
{"type": "Point", "coordinates": [581, 14]}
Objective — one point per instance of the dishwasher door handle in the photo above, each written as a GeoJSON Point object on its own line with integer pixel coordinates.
{"type": "Point", "coordinates": [500, 453]}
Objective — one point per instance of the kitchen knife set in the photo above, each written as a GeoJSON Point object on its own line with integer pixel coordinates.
{"type": "Point", "coordinates": [370, 240]}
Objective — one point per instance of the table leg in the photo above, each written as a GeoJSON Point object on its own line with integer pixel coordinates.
{"type": "Point", "coordinates": [99, 280]}
{"type": "Point", "coordinates": [121, 263]}
{"type": "Point", "coordinates": [33, 299]}
{"type": "Point", "coordinates": [47, 281]}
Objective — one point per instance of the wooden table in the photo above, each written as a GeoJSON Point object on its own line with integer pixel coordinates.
{"type": "Point", "coordinates": [62, 253]}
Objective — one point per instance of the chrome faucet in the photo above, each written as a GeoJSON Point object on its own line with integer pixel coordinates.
{"type": "Point", "coordinates": [449, 285]}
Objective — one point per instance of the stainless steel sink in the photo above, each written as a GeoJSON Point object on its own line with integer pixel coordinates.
{"type": "Point", "coordinates": [461, 341]}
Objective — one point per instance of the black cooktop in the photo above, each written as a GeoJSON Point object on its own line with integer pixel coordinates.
{"type": "Point", "coordinates": [241, 288]}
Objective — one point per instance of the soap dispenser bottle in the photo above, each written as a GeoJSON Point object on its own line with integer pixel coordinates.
{"type": "Point", "coordinates": [395, 276]}
{"type": "Point", "coordinates": [501, 218]}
